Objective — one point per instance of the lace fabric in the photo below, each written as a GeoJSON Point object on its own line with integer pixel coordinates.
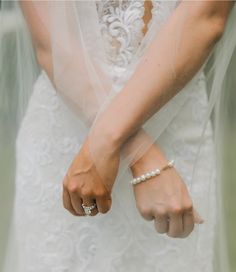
{"type": "Point", "coordinates": [45, 237]}
{"type": "Point", "coordinates": [122, 24]}
{"type": "Point", "coordinates": [51, 240]}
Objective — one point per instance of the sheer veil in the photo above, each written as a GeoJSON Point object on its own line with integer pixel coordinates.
{"type": "Point", "coordinates": [81, 77]}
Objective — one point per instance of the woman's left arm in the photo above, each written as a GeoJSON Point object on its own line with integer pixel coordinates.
{"type": "Point", "coordinates": [201, 24]}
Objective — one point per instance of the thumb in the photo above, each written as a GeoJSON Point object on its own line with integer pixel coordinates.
{"type": "Point", "coordinates": [197, 218]}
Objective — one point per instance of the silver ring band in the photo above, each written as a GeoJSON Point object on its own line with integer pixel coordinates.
{"type": "Point", "coordinates": [88, 209]}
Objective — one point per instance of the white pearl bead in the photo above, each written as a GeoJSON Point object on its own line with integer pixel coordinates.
{"type": "Point", "coordinates": [171, 163]}
{"type": "Point", "coordinates": [148, 175]}
{"type": "Point", "coordinates": [153, 173]}
{"type": "Point", "coordinates": [143, 177]}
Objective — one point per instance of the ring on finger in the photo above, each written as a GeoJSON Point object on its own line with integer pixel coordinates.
{"type": "Point", "coordinates": [88, 209]}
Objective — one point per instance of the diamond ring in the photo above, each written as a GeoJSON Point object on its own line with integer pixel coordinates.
{"type": "Point", "coordinates": [88, 209]}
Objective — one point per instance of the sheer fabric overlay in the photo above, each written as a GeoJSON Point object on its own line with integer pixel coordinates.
{"type": "Point", "coordinates": [94, 56]}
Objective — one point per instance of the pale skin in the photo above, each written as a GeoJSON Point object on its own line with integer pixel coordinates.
{"type": "Point", "coordinates": [164, 199]}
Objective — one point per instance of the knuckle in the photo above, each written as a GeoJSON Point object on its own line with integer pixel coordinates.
{"type": "Point", "coordinates": [188, 207]}
{"type": "Point", "coordinates": [72, 187]}
{"type": "Point", "coordinates": [101, 194]}
{"type": "Point", "coordinates": [87, 193]}
{"type": "Point", "coordinates": [176, 209]}
{"type": "Point", "coordinates": [144, 210]}
{"type": "Point", "coordinates": [161, 212]}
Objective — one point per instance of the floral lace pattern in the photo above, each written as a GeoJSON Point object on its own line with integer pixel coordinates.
{"type": "Point", "coordinates": [48, 237]}
{"type": "Point", "coordinates": [122, 24]}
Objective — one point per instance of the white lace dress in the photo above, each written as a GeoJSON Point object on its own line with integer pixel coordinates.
{"type": "Point", "coordinates": [49, 238]}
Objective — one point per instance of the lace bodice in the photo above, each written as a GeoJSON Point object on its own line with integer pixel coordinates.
{"type": "Point", "coordinates": [122, 26]}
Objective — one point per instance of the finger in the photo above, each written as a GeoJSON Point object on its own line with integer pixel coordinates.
{"type": "Point", "coordinates": [67, 202]}
{"type": "Point", "coordinates": [103, 204]}
{"type": "Point", "coordinates": [76, 203]}
{"type": "Point", "coordinates": [146, 213]}
{"type": "Point", "coordinates": [188, 223]}
{"type": "Point", "coordinates": [197, 218]}
{"type": "Point", "coordinates": [175, 225]}
{"type": "Point", "coordinates": [161, 224]}
{"type": "Point", "coordinates": [87, 201]}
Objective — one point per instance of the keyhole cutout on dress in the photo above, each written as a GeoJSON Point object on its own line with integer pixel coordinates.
{"type": "Point", "coordinates": [147, 16]}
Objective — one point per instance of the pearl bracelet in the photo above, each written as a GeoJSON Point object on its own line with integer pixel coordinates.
{"type": "Point", "coordinates": [152, 173]}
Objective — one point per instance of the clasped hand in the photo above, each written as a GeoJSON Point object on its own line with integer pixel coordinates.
{"type": "Point", "coordinates": [88, 182]}
{"type": "Point", "coordinates": [163, 199]}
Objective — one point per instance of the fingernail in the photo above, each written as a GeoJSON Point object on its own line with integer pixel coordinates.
{"type": "Point", "coordinates": [201, 221]}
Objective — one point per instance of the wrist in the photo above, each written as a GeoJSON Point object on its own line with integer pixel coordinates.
{"type": "Point", "coordinates": [106, 137]}
{"type": "Point", "coordinates": [153, 157]}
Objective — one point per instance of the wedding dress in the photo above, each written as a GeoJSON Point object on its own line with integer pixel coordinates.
{"type": "Point", "coordinates": [49, 238]}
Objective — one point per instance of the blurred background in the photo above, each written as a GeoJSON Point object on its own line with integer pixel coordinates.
{"type": "Point", "coordinates": [7, 136]}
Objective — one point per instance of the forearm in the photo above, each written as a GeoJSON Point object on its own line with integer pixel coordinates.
{"type": "Point", "coordinates": [36, 14]}
{"type": "Point", "coordinates": [153, 84]}
{"type": "Point", "coordinates": [64, 61]}
{"type": "Point", "coordinates": [124, 129]}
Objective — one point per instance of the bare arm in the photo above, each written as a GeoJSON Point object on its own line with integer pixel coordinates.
{"type": "Point", "coordinates": [39, 33]}
{"type": "Point", "coordinates": [41, 39]}
{"type": "Point", "coordinates": [164, 199]}
{"type": "Point", "coordinates": [153, 83]}
{"type": "Point", "coordinates": [200, 31]}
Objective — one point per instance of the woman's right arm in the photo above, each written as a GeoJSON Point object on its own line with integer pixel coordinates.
{"type": "Point", "coordinates": [43, 50]}
{"type": "Point", "coordinates": [39, 32]}
{"type": "Point", "coordinates": [41, 40]}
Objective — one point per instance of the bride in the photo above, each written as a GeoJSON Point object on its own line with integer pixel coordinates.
{"type": "Point", "coordinates": [115, 153]}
